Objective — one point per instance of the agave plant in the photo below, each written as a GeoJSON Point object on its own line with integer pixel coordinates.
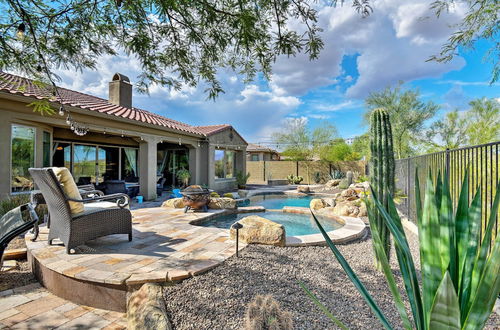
{"type": "Point", "coordinates": [460, 280]}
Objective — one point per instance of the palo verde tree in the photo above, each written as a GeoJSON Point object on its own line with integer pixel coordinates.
{"type": "Point", "coordinates": [176, 42]}
{"type": "Point", "coordinates": [408, 115]}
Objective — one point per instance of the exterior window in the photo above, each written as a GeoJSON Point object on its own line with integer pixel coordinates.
{"type": "Point", "coordinates": [108, 163]}
{"type": "Point", "coordinates": [129, 165]}
{"type": "Point", "coordinates": [23, 157]}
{"type": "Point", "coordinates": [46, 149]}
{"type": "Point", "coordinates": [224, 164]}
{"type": "Point", "coordinates": [255, 158]}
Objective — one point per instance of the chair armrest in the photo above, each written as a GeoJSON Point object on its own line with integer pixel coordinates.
{"type": "Point", "coordinates": [122, 199]}
{"type": "Point", "coordinates": [91, 193]}
{"type": "Point", "coordinates": [87, 187]}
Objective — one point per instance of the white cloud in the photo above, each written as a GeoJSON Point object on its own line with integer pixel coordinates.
{"type": "Point", "coordinates": [393, 43]}
{"type": "Point", "coordinates": [337, 107]}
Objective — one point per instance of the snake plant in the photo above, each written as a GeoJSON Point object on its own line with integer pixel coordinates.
{"type": "Point", "coordinates": [460, 280]}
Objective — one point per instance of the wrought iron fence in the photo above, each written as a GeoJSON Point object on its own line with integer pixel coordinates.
{"type": "Point", "coordinates": [480, 160]}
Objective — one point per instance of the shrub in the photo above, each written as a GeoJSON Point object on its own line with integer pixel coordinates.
{"type": "Point", "coordinates": [289, 178]}
{"type": "Point", "coordinates": [344, 184]}
{"type": "Point", "coordinates": [214, 194]}
{"type": "Point", "coordinates": [228, 195]}
{"type": "Point", "coordinates": [184, 176]}
{"type": "Point", "coordinates": [317, 177]}
{"type": "Point", "coordinates": [264, 313]}
{"type": "Point", "coordinates": [337, 175]}
{"type": "Point", "coordinates": [297, 179]}
{"type": "Point", "coordinates": [241, 179]}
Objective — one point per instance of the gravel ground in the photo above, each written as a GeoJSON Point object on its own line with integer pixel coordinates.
{"type": "Point", "coordinates": [20, 276]}
{"type": "Point", "coordinates": [218, 299]}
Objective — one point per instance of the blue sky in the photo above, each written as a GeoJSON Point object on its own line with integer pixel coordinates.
{"type": "Point", "coordinates": [360, 56]}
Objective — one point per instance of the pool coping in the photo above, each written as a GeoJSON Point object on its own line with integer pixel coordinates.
{"type": "Point", "coordinates": [352, 229]}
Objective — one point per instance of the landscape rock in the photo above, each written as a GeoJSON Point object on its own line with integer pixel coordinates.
{"type": "Point", "coordinates": [362, 210]}
{"type": "Point", "coordinates": [332, 183]}
{"type": "Point", "coordinates": [146, 309]}
{"type": "Point", "coordinates": [259, 230]}
{"type": "Point", "coordinates": [346, 209]}
{"type": "Point", "coordinates": [222, 203]}
{"type": "Point", "coordinates": [175, 203]}
{"type": "Point", "coordinates": [316, 204]}
{"type": "Point", "coordinates": [349, 193]}
{"type": "Point", "coordinates": [329, 202]}
{"type": "Point", "coordinates": [303, 189]}
{"type": "Point", "coordinates": [361, 185]}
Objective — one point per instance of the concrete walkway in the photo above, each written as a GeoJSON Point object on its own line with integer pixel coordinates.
{"type": "Point", "coordinates": [33, 307]}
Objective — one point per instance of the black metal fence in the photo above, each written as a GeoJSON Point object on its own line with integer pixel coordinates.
{"type": "Point", "coordinates": [480, 160]}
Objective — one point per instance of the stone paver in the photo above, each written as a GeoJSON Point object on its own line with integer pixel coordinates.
{"type": "Point", "coordinates": [33, 307]}
{"type": "Point", "coordinates": [166, 245]}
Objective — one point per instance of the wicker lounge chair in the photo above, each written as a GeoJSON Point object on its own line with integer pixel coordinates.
{"type": "Point", "coordinates": [14, 223]}
{"type": "Point", "coordinates": [99, 218]}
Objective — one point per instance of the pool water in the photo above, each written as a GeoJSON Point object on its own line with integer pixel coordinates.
{"type": "Point", "coordinates": [275, 201]}
{"type": "Point", "coordinates": [295, 224]}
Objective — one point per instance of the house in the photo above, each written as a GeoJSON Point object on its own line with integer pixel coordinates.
{"type": "Point", "coordinates": [122, 142]}
{"type": "Point", "coordinates": [256, 152]}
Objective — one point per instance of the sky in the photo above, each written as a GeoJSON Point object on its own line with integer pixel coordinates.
{"type": "Point", "coordinates": [361, 56]}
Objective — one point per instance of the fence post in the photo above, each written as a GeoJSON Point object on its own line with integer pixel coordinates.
{"type": "Point", "coordinates": [447, 163]}
{"type": "Point", "coordinates": [408, 190]}
{"type": "Point", "coordinates": [264, 171]}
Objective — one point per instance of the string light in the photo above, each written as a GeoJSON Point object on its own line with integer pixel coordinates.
{"type": "Point", "coordinates": [180, 141]}
{"type": "Point", "coordinates": [61, 111]}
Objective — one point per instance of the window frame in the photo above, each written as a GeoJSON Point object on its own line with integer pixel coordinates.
{"type": "Point", "coordinates": [225, 159]}
{"type": "Point", "coordinates": [35, 144]}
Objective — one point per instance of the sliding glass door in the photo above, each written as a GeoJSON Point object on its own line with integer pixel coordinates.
{"type": "Point", "coordinates": [84, 164]}
{"type": "Point", "coordinates": [95, 164]}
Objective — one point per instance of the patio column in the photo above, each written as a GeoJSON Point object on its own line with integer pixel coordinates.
{"type": "Point", "coordinates": [6, 164]}
{"type": "Point", "coordinates": [195, 165]}
{"type": "Point", "coordinates": [147, 167]}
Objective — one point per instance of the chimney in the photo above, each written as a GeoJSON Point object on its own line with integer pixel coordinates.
{"type": "Point", "coordinates": [120, 91]}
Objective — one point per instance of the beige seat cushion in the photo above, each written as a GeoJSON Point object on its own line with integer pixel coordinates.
{"type": "Point", "coordinates": [70, 189]}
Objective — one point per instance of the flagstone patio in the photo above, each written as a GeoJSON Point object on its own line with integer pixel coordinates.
{"type": "Point", "coordinates": [166, 247]}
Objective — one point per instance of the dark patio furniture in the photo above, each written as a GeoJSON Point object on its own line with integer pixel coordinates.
{"type": "Point", "coordinates": [115, 187]}
{"type": "Point", "coordinates": [159, 186]}
{"type": "Point", "coordinates": [14, 223]}
{"type": "Point", "coordinates": [99, 218]}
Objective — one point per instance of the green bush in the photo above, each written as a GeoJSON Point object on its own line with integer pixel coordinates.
{"type": "Point", "coordinates": [344, 184]}
{"type": "Point", "coordinates": [228, 195]}
{"type": "Point", "coordinates": [12, 202]}
{"type": "Point", "coordinates": [242, 178]}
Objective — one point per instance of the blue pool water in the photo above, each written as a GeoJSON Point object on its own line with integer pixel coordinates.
{"type": "Point", "coordinates": [274, 202]}
{"type": "Point", "coordinates": [295, 224]}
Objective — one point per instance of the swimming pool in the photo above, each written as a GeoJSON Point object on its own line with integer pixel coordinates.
{"type": "Point", "coordinates": [295, 224]}
{"type": "Point", "coordinates": [278, 201]}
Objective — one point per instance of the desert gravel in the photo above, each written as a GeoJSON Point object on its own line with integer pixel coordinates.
{"type": "Point", "coordinates": [218, 299]}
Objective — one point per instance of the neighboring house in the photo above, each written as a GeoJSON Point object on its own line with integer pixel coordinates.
{"type": "Point", "coordinates": [256, 152]}
{"type": "Point", "coordinates": [123, 142]}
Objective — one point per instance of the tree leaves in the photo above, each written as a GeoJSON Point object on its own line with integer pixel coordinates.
{"type": "Point", "coordinates": [176, 42]}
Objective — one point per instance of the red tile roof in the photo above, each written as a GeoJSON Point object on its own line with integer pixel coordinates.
{"type": "Point", "coordinates": [258, 147]}
{"type": "Point", "coordinates": [22, 86]}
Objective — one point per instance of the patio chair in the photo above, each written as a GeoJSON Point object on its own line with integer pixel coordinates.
{"type": "Point", "coordinates": [99, 218]}
{"type": "Point", "coordinates": [14, 223]}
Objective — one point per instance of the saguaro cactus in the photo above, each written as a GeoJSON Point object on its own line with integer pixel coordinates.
{"type": "Point", "coordinates": [382, 168]}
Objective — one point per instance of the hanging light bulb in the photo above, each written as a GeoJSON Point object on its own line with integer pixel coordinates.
{"type": "Point", "coordinates": [61, 111]}
{"type": "Point", "coordinates": [180, 141]}
{"type": "Point", "coordinates": [198, 144]}
{"type": "Point", "coordinates": [21, 29]}
{"type": "Point", "coordinates": [142, 139]}
{"type": "Point", "coordinates": [72, 127]}
{"type": "Point", "coordinates": [104, 132]}
{"type": "Point", "coordinates": [122, 133]}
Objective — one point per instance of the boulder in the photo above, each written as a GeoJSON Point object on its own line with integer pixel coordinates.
{"type": "Point", "coordinates": [361, 185]}
{"type": "Point", "coordinates": [349, 193]}
{"type": "Point", "coordinates": [222, 203]}
{"type": "Point", "coordinates": [346, 209]}
{"type": "Point", "coordinates": [332, 183]}
{"type": "Point", "coordinates": [316, 204]}
{"type": "Point", "coordinates": [258, 230]}
{"type": "Point", "coordinates": [362, 210]}
{"type": "Point", "coordinates": [329, 202]}
{"type": "Point", "coordinates": [303, 189]}
{"type": "Point", "coordinates": [174, 203]}
{"type": "Point", "coordinates": [146, 309]}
